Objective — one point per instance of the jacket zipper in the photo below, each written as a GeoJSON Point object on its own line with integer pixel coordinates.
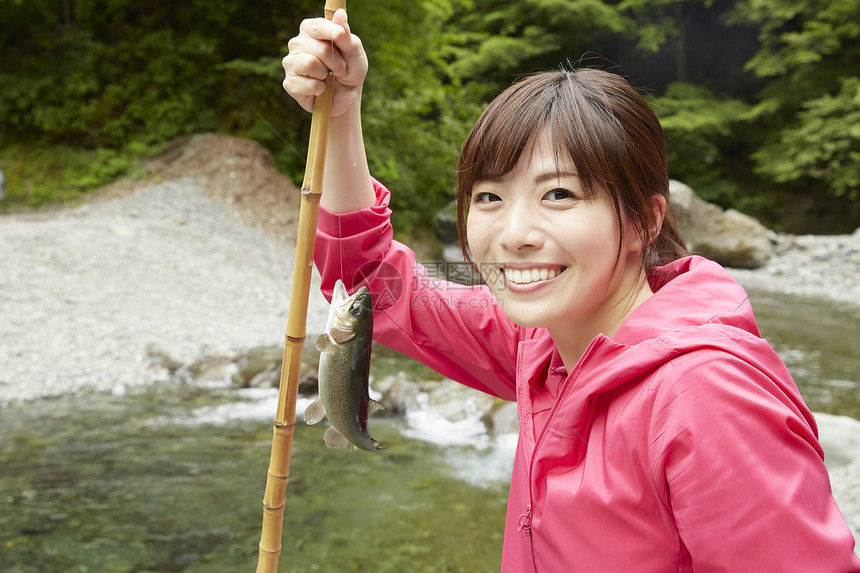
{"type": "Point", "coordinates": [525, 519]}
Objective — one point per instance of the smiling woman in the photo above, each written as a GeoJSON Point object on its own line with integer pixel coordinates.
{"type": "Point", "coordinates": [598, 128]}
{"type": "Point", "coordinates": [555, 245]}
{"type": "Point", "coordinates": [638, 371]}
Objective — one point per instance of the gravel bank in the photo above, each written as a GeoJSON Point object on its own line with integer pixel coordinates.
{"type": "Point", "coordinates": [811, 265]}
{"type": "Point", "coordinates": [86, 291]}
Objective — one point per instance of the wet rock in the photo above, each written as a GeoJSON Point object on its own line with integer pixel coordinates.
{"type": "Point", "coordinates": [502, 418]}
{"type": "Point", "coordinates": [456, 402]}
{"type": "Point", "coordinates": [445, 223]}
{"type": "Point", "coordinates": [399, 394]}
{"type": "Point", "coordinates": [268, 378]}
{"type": "Point", "coordinates": [161, 357]}
{"type": "Point", "coordinates": [840, 438]}
{"type": "Point", "coordinates": [729, 237]}
{"type": "Point", "coordinates": [211, 370]}
{"type": "Point", "coordinates": [257, 362]}
{"type": "Point", "coordinates": [308, 380]}
{"type": "Point", "coordinates": [257, 368]}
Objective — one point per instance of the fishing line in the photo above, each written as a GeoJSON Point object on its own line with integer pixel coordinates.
{"type": "Point", "coordinates": [298, 154]}
{"type": "Point", "coordinates": [340, 244]}
{"type": "Point", "coordinates": [339, 215]}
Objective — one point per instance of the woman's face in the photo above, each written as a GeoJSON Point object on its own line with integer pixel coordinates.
{"type": "Point", "coordinates": [548, 253]}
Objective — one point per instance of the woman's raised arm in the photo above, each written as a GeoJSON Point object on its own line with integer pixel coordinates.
{"type": "Point", "coordinates": [320, 47]}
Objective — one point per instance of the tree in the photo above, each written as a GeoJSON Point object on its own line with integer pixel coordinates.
{"type": "Point", "coordinates": [823, 144]}
{"type": "Point", "coordinates": [702, 131]}
{"type": "Point", "coordinates": [811, 104]}
{"type": "Point", "coordinates": [102, 73]}
{"type": "Point", "coordinates": [500, 40]}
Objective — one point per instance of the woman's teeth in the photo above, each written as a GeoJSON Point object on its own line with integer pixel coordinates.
{"type": "Point", "coordinates": [529, 276]}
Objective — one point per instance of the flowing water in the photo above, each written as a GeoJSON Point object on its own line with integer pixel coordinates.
{"type": "Point", "coordinates": [172, 480]}
{"type": "Point", "coordinates": [820, 343]}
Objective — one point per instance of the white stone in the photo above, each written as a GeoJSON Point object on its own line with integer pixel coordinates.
{"type": "Point", "coordinates": [840, 438]}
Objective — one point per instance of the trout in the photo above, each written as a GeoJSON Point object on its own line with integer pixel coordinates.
{"type": "Point", "coordinates": [344, 371]}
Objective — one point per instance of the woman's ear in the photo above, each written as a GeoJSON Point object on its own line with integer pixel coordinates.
{"type": "Point", "coordinates": [658, 210]}
{"type": "Point", "coordinates": [654, 223]}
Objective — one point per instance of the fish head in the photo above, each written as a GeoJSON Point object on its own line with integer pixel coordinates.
{"type": "Point", "coordinates": [350, 314]}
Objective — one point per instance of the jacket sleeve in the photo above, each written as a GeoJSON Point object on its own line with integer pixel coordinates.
{"type": "Point", "coordinates": [739, 454]}
{"type": "Point", "coordinates": [459, 331]}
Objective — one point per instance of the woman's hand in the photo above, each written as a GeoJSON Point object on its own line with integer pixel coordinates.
{"type": "Point", "coordinates": [324, 45]}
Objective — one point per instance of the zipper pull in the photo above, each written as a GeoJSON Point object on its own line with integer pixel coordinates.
{"type": "Point", "coordinates": [525, 520]}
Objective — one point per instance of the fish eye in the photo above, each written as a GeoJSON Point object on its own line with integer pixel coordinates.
{"type": "Point", "coordinates": [355, 308]}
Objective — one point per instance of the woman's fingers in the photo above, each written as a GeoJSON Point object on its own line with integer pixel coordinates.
{"type": "Point", "coordinates": [323, 50]}
{"type": "Point", "coordinates": [324, 45]}
{"type": "Point", "coordinates": [322, 29]}
{"type": "Point", "coordinates": [351, 50]}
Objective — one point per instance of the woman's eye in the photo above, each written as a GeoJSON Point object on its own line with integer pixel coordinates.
{"type": "Point", "coordinates": [558, 194]}
{"type": "Point", "coordinates": [485, 197]}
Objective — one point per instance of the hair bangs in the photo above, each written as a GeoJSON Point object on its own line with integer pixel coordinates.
{"type": "Point", "coordinates": [502, 134]}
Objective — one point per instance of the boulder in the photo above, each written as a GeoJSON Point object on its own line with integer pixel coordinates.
{"type": "Point", "coordinates": [502, 418]}
{"type": "Point", "coordinates": [255, 362]}
{"type": "Point", "coordinates": [840, 438]}
{"type": "Point", "coordinates": [729, 237]}
{"type": "Point", "coordinates": [399, 394]}
{"type": "Point", "coordinates": [445, 223]}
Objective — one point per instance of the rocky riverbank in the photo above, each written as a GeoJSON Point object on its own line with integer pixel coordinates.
{"type": "Point", "coordinates": [148, 277]}
{"type": "Point", "coordinates": [189, 267]}
{"type": "Point", "coordinates": [811, 266]}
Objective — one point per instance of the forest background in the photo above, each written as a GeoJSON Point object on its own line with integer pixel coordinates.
{"type": "Point", "coordinates": [760, 98]}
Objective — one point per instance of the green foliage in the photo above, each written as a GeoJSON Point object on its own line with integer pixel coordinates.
{"type": "Point", "coordinates": [703, 132]}
{"type": "Point", "coordinates": [38, 176]}
{"type": "Point", "coordinates": [657, 22]}
{"type": "Point", "coordinates": [413, 114]}
{"type": "Point", "coordinates": [797, 33]}
{"type": "Point", "coordinates": [823, 146]}
{"type": "Point", "coordinates": [697, 123]}
{"type": "Point", "coordinates": [809, 107]}
{"type": "Point", "coordinates": [499, 41]}
{"type": "Point", "coordinates": [106, 72]}
{"type": "Point", "coordinates": [755, 95]}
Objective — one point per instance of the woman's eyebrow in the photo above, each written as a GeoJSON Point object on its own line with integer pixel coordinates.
{"type": "Point", "coordinates": [550, 175]}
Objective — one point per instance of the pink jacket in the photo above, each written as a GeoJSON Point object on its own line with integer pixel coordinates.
{"type": "Point", "coordinates": [679, 444]}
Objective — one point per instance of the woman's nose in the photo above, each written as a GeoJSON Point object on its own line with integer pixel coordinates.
{"type": "Point", "coordinates": [520, 229]}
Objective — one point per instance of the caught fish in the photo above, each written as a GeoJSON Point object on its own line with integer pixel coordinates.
{"type": "Point", "coordinates": [344, 371]}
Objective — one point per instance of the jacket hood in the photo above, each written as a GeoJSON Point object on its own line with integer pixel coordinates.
{"type": "Point", "coordinates": [693, 298]}
{"type": "Point", "coordinates": [696, 304]}
{"type": "Point", "coordinates": [689, 292]}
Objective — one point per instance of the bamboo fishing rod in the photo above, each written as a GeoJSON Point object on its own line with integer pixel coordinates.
{"type": "Point", "coordinates": [285, 418]}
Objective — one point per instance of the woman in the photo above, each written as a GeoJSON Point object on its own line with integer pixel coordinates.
{"type": "Point", "coordinates": [658, 430]}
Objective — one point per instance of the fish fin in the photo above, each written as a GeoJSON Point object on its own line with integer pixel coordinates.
{"type": "Point", "coordinates": [325, 342]}
{"type": "Point", "coordinates": [314, 412]}
{"type": "Point", "coordinates": [335, 439]}
{"type": "Point", "coordinates": [373, 406]}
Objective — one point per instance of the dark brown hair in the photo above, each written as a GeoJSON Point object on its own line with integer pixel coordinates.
{"type": "Point", "coordinates": [606, 128]}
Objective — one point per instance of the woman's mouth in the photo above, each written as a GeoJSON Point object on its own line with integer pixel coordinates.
{"type": "Point", "coordinates": [528, 276]}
